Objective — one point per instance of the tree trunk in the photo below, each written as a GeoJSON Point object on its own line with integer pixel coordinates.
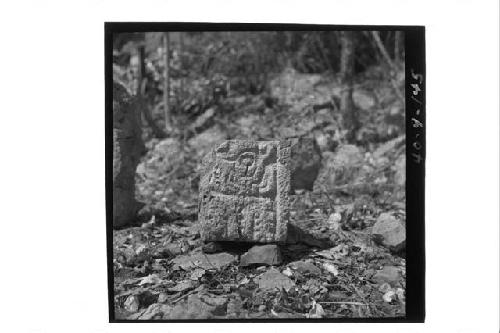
{"type": "Point", "coordinates": [181, 56]}
{"type": "Point", "coordinates": [349, 112]}
{"type": "Point", "coordinates": [140, 93]}
{"type": "Point", "coordinates": [166, 80]}
{"type": "Point", "coordinates": [398, 45]}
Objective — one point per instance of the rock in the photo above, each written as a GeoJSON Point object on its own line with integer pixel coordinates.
{"type": "Point", "coordinates": [305, 163]}
{"type": "Point", "coordinates": [389, 274]}
{"type": "Point", "coordinates": [173, 249]}
{"type": "Point", "coordinates": [263, 254]}
{"type": "Point", "coordinates": [235, 306]}
{"type": "Point", "coordinates": [211, 247]}
{"type": "Point", "coordinates": [305, 268]}
{"type": "Point", "coordinates": [206, 140]}
{"type": "Point", "coordinates": [162, 298]}
{"type": "Point", "coordinates": [155, 311]}
{"type": "Point", "coordinates": [331, 268]}
{"type": "Point", "coordinates": [363, 100]}
{"type": "Point", "coordinates": [316, 311]}
{"type": "Point", "coordinates": [274, 279]}
{"type": "Point", "coordinates": [244, 191]}
{"type": "Point", "coordinates": [199, 307]}
{"type": "Point", "coordinates": [296, 235]}
{"type": "Point", "coordinates": [340, 167]}
{"type": "Point", "coordinates": [390, 232]}
{"type": "Point", "coordinates": [334, 221]}
{"type": "Point", "coordinates": [163, 157]}
{"type": "Point", "coordinates": [197, 274]}
{"type": "Point", "coordinates": [127, 149]}
{"type": "Point", "coordinates": [290, 86]}
{"type": "Point", "coordinates": [131, 304]}
{"type": "Point", "coordinates": [204, 261]}
{"type": "Point", "coordinates": [389, 296]}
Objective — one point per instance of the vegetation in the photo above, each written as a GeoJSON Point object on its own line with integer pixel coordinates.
{"type": "Point", "coordinates": [344, 89]}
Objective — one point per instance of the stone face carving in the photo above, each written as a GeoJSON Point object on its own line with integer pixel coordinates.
{"type": "Point", "coordinates": [244, 192]}
{"type": "Point", "coordinates": [127, 149]}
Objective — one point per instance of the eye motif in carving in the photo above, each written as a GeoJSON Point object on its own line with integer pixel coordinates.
{"type": "Point", "coordinates": [246, 162]}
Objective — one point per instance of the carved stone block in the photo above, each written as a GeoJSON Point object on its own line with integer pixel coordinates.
{"type": "Point", "coordinates": [244, 191]}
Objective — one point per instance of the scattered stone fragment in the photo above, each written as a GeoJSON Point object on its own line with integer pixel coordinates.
{"type": "Point", "coordinates": [244, 191]}
{"type": "Point", "coordinates": [197, 274]}
{"type": "Point", "coordinates": [173, 249]}
{"type": "Point", "coordinates": [234, 306]}
{"type": "Point", "coordinates": [331, 268]}
{"type": "Point", "coordinates": [340, 167]}
{"type": "Point", "coordinates": [199, 307]}
{"type": "Point", "coordinates": [305, 268]}
{"type": "Point", "coordinates": [155, 311]}
{"type": "Point", "coordinates": [334, 221]}
{"type": "Point", "coordinates": [389, 296]}
{"type": "Point", "coordinates": [202, 260]}
{"type": "Point", "coordinates": [162, 297]}
{"type": "Point", "coordinates": [274, 279]}
{"type": "Point", "coordinates": [206, 140]}
{"type": "Point", "coordinates": [385, 287]}
{"type": "Point", "coordinates": [211, 247]}
{"type": "Point", "coordinates": [150, 279]}
{"type": "Point", "coordinates": [262, 254]}
{"type": "Point", "coordinates": [161, 159]}
{"type": "Point", "coordinates": [131, 303]}
{"type": "Point", "coordinates": [400, 292]}
{"type": "Point", "coordinates": [316, 311]}
{"type": "Point", "coordinates": [389, 232]}
{"type": "Point", "coordinates": [389, 274]}
{"type": "Point", "coordinates": [288, 272]}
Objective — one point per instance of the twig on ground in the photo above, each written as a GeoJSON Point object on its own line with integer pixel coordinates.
{"type": "Point", "coordinates": [347, 303]}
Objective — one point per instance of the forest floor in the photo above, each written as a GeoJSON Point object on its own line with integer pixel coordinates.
{"type": "Point", "coordinates": [161, 271]}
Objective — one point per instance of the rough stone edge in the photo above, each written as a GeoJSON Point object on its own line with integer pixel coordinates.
{"type": "Point", "coordinates": [283, 179]}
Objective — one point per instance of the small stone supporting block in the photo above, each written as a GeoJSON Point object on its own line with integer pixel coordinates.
{"type": "Point", "coordinates": [244, 192]}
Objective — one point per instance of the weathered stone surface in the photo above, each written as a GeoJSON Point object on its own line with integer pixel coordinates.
{"type": "Point", "coordinates": [390, 232]}
{"type": "Point", "coordinates": [244, 192]}
{"type": "Point", "coordinates": [305, 163]}
{"type": "Point", "coordinates": [274, 279]}
{"type": "Point", "coordinates": [131, 303]}
{"type": "Point", "coordinates": [206, 140]}
{"type": "Point", "coordinates": [155, 311]}
{"type": "Point", "coordinates": [127, 149]}
{"type": "Point", "coordinates": [262, 254]}
{"type": "Point", "coordinates": [199, 307]}
{"type": "Point", "coordinates": [389, 274]}
{"type": "Point", "coordinates": [305, 267]}
{"type": "Point", "coordinates": [205, 261]}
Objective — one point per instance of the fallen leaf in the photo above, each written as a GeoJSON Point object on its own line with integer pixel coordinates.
{"type": "Point", "coordinates": [331, 268]}
{"type": "Point", "coordinates": [316, 311]}
{"type": "Point", "coordinates": [150, 279]}
{"type": "Point", "coordinates": [389, 296]}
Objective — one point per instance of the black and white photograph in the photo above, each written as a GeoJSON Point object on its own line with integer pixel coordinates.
{"type": "Point", "coordinates": [264, 166]}
{"type": "Point", "coordinates": [265, 172]}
